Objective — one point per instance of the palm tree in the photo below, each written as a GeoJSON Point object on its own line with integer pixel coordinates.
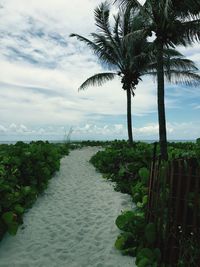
{"type": "Point", "coordinates": [126, 61]}
{"type": "Point", "coordinates": [174, 22]}
{"type": "Point", "coordinates": [133, 58]}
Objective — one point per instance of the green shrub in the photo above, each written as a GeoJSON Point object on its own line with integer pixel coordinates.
{"type": "Point", "coordinates": [25, 170]}
{"type": "Point", "coordinates": [121, 163]}
{"type": "Point", "coordinates": [128, 166]}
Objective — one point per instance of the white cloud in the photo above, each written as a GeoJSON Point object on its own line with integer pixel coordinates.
{"type": "Point", "coordinates": [87, 131]}
{"type": "Point", "coordinates": [23, 129]}
{"type": "Point", "coordinates": [42, 68]}
{"type": "Point", "coordinates": [60, 14]}
{"type": "Point", "coordinates": [118, 127]}
{"type": "Point", "coordinates": [13, 127]}
{"type": "Point", "coordinates": [53, 93]}
{"type": "Point", "coordinates": [152, 130]}
{"type": "Point", "coordinates": [2, 129]}
{"type": "Point", "coordinates": [37, 30]}
{"type": "Point", "coordinates": [148, 130]}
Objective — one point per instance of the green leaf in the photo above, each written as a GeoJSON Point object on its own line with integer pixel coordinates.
{"type": "Point", "coordinates": [26, 190]}
{"type": "Point", "coordinates": [125, 241]}
{"type": "Point", "coordinates": [144, 174]}
{"type": "Point", "coordinates": [130, 251]}
{"type": "Point", "coordinates": [144, 262]}
{"type": "Point", "coordinates": [150, 233]}
{"type": "Point", "coordinates": [16, 194]}
{"type": "Point", "coordinates": [145, 253]}
{"type": "Point", "coordinates": [120, 242]}
{"type": "Point", "coordinates": [139, 205]}
{"type": "Point", "coordinates": [145, 200]}
{"type": "Point", "coordinates": [8, 217]}
{"type": "Point", "coordinates": [136, 197]}
{"type": "Point", "coordinates": [123, 220]}
{"type": "Point", "coordinates": [12, 228]}
{"type": "Point", "coordinates": [122, 171]}
{"type": "Point", "coordinates": [19, 209]}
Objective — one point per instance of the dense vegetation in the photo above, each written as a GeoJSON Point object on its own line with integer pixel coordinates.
{"type": "Point", "coordinates": [25, 170]}
{"type": "Point", "coordinates": [121, 163]}
{"type": "Point", "coordinates": [79, 144]}
{"type": "Point", "coordinates": [129, 168]}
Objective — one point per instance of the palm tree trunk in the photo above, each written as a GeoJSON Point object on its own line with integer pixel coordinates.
{"type": "Point", "coordinates": [129, 117]}
{"type": "Point", "coordinates": [161, 101]}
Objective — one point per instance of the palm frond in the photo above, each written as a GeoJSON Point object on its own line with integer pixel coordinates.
{"type": "Point", "coordinates": [137, 26]}
{"type": "Point", "coordinates": [187, 8]}
{"type": "Point", "coordinates": [128, 3]}
{"type": "Point", "coordinates": [191, 30]}
{"type": "Point", "coordinates": [167, 7]}
{"type": "Point", "coordinates": [106, 57]}
{"type": "Point", "coordinates": [108, 49]}
{"type": "Point", "coordinates": [135, 5]}
{"type": "Point", "coordinates": [98, 79]}
{"type": "Point", "coordinates": [180, 64]}
{"type": "Point", "coordinates": [169, 52]}
{"type": "Point", "coordinates": [117, 33]}
{"type": "Point", "coordinates": [188, 78]}
{"type": "Point", "coordinates": [139, 34]}
{"type": "Point", "coordinates": [179, 77]}
{"type": "Point", "coordinates": [126, 21]}
{"type": "Point", "coordinates": [181, 33]}
{"type": "Point", "coordinates": [102, 14]}
{"type": "Point", "coordinates": [88, 42]}
{"type": "Point", "coordinates": [116, 26]}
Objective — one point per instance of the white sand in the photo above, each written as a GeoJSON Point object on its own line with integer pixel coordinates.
{"type": "Point", "coordinates": [72, 224]}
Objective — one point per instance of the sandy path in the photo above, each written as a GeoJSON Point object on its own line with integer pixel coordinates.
{"type": "Point", "coordinates": [72, 224]}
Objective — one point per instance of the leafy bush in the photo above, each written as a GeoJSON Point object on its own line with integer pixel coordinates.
{"type": "Point", "coordinates": [121, 163]}
{"type": "Point", "coordinates": [24, 173]}
{"type": "Point", "coordinates": [128, 166]}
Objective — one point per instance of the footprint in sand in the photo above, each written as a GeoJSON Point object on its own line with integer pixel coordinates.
{"type": "Point", "coordinates": [72, 225]}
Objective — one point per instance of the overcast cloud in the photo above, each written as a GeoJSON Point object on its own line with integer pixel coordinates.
{"type": "Point", "coordinates": [42, 68]}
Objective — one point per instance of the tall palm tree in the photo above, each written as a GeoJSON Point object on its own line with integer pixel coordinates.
{"type": "Point", "coordinates": [174, 22]}
{"type": "Point", "coordinates": [133, 59]}
{"type": "Point", "coordinates": [126, 61]}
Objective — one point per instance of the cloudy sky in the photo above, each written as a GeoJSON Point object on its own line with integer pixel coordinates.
{"type": "Point", "coordinates": [42, 68]}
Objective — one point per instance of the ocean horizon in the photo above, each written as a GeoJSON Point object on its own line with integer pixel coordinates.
{"type": "Point", "coordinates": [12, 142]}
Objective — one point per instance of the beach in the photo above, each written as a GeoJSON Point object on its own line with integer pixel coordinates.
{"type": "Point", "coordinates": [73, 223]}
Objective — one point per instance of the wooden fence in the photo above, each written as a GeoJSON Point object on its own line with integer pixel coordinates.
{"type": "Point", "coordinates": [174, 207]}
